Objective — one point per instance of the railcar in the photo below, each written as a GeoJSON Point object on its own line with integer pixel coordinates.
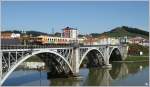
{"type": "Point", "coordinates": [52, 40]}
{"type": "Point", "coordinates": [49, 40]}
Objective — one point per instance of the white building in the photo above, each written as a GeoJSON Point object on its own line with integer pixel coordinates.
{"type": "Point", "coordinates": [14, 35]}
{"type": "Point", "coordinates": [70, 33]}
{"type": "Point", "coordinates": [112, 41]}
{"type": "Point", "coordinates": [139, 40]}
{"type": "Point", "coordinates": [74, 33]}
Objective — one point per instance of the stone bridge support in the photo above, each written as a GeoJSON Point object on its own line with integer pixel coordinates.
{"type": "Point", "coordinates": [125, 51]}
{"type": "Point", "coordinates": [75, 66]}
{"type": "Point", "coordinates": [107, 56]}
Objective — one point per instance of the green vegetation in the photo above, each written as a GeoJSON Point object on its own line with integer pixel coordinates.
{"type": "Point", "coordinates": [134, 49]}
{"type": "Point", "coordinates": [137, 58]}
{"type": "Point", "coordinates": [95, 34]}
{"type": "Point", "coordinates": [126, 31]}
{"type": "Point", "coordinates": [33, 33]}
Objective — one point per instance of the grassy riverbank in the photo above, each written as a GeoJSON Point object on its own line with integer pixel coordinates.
{"type": "Point", "coordinates": [137, 58]}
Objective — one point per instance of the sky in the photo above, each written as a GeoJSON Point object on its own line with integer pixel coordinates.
{"type": "Point", "coordinates": [86, 16]}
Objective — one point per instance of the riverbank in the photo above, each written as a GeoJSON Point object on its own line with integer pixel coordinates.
{"type": "Point", "coordinates": [137, 58]}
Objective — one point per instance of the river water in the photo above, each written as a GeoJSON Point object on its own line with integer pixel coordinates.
{"type": "Point", "coordinates": [121, 74]}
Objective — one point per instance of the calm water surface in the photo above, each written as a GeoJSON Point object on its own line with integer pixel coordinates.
{"type": "Point", "coordinates": [123, 74]}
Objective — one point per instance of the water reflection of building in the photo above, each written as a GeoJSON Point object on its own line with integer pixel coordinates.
{"type": "Point", "coordinates": [33, 65]}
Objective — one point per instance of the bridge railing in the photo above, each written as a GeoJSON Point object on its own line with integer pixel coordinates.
{"type": "Point", "coordinates": [32, 46]}
{"type": "Point", "coordinates": [49, 46]}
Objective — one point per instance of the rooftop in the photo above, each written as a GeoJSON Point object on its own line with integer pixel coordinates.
{"type": "Point", "coordinates": [69, 28]}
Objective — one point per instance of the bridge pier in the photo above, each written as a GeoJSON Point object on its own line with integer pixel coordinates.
{"type": "Point", "coordinates": [106, 57]}
{"type": "Point", "coordinates": [124, 51]}
{"type": "Point", "coordinates": [75, 55]}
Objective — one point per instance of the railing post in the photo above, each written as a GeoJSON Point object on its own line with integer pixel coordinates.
{"type": "Point", "coordinates": [9, 59]}
{"type": "Point", "coordinates": [16, 56]}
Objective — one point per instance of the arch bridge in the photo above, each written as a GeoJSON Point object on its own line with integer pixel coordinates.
{"type": "Point", "coordinates": [61, 60]}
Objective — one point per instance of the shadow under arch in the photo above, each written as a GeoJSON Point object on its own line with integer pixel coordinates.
{"type": "Point", "coordinates": [92, 58]}
{"type": "Point", "coordinates": [21, 60]}
{"type": "Point", "coordinates": [115, 55]}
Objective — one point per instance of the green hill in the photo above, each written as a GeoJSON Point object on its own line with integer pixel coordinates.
{"type": "Point", "coordinates": [33, 33]}
{"type": "Point", "coordinates": [117, 32]}
{"type": "Point", "coordinates": [126, 31]}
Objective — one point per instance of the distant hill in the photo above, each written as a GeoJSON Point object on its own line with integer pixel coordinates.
{"type": "Point", "coordinates": [117, 32]}
{"type": "Point", "coordinates": [125, 31]}
{"type": "Point", "coordinates": [33, 33]}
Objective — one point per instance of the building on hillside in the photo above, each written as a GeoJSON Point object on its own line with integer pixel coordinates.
{"type": "Point", "coordinates": [70, 32]}
{"type": "Point", "coordinates": [89, 40]}
{"type": "Point", "coordinates": [124, 40]}
{"type": "Point", "coordinates": [102, 40]}
{"type": "Point", "coordinates": [145, 43]}
{"type": "Point", "coordinates": [5, 35]}
{"type": "Point", "coordinates": [13, 35]}
{"type": "Point", "coordinates": [8, 38]}
{"type": "Point", "coordinates": [139, 40]}
{"type": "Point", "coordinates": [9, 35]}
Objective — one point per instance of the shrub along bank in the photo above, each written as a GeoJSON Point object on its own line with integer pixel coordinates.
{"type": "Point", "coordinates": [137, 58]}
{"type": "Point", "coordinates": [135, 49]}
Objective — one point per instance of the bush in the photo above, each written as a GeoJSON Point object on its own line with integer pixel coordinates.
{"type": "Point", "coordinates": [134, 49]}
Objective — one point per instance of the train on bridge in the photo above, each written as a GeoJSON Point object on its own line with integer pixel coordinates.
{"type": "Point", "coordinates": [54, 40]}
{"type": "Point", "coordinates": [40, 40]}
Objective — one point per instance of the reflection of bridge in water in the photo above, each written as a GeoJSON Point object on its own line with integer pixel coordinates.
{"type": "Point", "coordinates": [96, 77]}
{"type": "Point", "coordinates": [92, 76]}
{"type": "Point", "coordinates": [104, 77]}
{"type": "Point", "coordinates": [61, 60]}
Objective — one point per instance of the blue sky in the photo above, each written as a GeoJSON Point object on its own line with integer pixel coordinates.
{"type": "Point", "coordinates": [88, 17]}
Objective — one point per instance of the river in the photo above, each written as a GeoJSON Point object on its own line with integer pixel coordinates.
{"type": "Point", "coordinates": [121, 74]}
